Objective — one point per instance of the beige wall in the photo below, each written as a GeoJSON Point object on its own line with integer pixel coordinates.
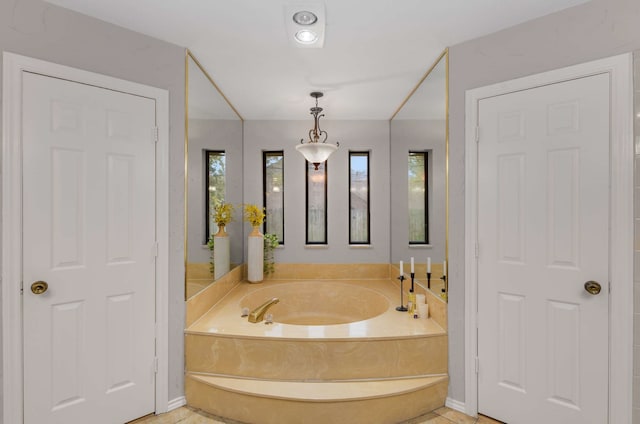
{"type": "Point", "coordinates": [43, 31]}
{"type": "Point", "coordinates": [598, 29]}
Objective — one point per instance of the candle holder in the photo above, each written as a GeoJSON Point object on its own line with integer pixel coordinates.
{"type": "Point", "coordinates": [429, 280]}
{"type": "Point", "coordinates": [445, 292]}
{"type": "Point", "coordinates": [401, 308]}
{"type": "Point", "coordinates": [411, 303]}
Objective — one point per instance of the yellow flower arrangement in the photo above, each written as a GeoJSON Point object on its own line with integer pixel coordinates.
{"type": "Point", "coordinates": [254, 215]}
{"type": "Point", "coordinates": [223, 213]}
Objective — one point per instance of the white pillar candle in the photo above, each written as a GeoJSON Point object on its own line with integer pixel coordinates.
{"type": "Point", "coordinates": [423, 310]}
{"type": "Point", "coordinates": [412, 267]}
{"type": "Point", "coordinates": [401, 268]}
{"type": "Point", "coordinates": [429, 264]}
{"type": "Point", "coordinates": [444, 268]}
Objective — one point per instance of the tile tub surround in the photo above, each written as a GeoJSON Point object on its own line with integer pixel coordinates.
{"type": "Point", "coordinates": [198, 277]}
{"type": "Point", "coordinates": [316, 271]}
{"type": "Point", "coordinates": [236, 368]}
{"type": "Point", "coordinates": [201, 302]}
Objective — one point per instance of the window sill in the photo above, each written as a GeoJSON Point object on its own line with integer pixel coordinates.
{"type": "Point", "coordinates": [316, 246]}
{"type": "Point", "coordinates": [360, 246]}
{"type": "Point", "coordinates": [420, 246]}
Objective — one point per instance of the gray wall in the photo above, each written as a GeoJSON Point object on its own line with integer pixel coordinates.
{"type": "Point", "coordinates": [636, 271]}
{"type": "Point", "coordinates": [353, 135]}
{"type": "Point", "coordinates": [414, 135]}
{"type": "Point", "coordinates": [37, 29]}
{"type": "Point", "coordinates": [214, 134]}
{"type": "Point", "coordinates": [594, 30]}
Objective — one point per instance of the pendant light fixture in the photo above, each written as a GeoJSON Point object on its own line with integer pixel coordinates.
{"type": "Point", "coordinates": [316, 150]}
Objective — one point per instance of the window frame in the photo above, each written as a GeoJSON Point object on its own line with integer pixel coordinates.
{"type": "Point", "coordinates": [425, 155]}
{"type": "Point", "coordinates": [309, 167]}
{"type": "Point", "coordinates": [265, 154]}
{"type": "Point", "coordinates": [367, 154]}
{"type": "Point", "coordinates": [207, 209]}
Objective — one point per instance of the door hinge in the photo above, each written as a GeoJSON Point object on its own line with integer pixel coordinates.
{"type": "Point", "coordinates": [477, 250]}
{"type": "Point", "coordinates": [477, 134]}
{"type": "Point", "coordinates": [155, 365]}
{"type": "Point", "coordinates": [155, 134]}
{"type": "Point", "coordinates": [477, 365]}
{"type": "Point", "coordinates": [155, 249]}
{"type": "Point", "coordinates": [21, 287]}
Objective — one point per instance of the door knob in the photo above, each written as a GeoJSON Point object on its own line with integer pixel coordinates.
{"type": "Point", "coordinates": [39, 287]}
{"type": "Point", "coordinates": [592, 287]}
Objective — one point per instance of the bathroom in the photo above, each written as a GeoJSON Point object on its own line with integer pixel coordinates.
{"type": "Point", "coordinates": [586, 32]}
{"type": "Point", "coordinates": [336, 281]}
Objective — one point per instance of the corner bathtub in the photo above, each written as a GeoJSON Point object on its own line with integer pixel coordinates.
{"type": "Point", "coordinates": [338, 351]}
{"type": "Point", "coordinates": [316, 309]}
{"type": "Point", "coordinates": [313, 303]}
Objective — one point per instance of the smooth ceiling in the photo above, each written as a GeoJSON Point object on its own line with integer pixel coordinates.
{"type": "Point", "coordinates": [374, 51]}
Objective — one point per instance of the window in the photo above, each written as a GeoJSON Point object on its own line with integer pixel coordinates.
{"type": "Point", "coordinates": [316, 203]}
{"type": "Point", "coordinates": [418, 199]}
{"type": "Point", "coordinates": [215, 187]}
{"type": "Point", "coordinates": [359, 226]}
{"type": "Point", "coordinates": [273, 181]}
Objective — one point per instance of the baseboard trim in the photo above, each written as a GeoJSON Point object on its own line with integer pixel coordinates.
{"type": "Point", "coordinates": [176, 403]}
{"type": "Point", "coordinates": [456, 405]}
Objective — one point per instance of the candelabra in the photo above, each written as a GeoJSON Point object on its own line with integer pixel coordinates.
{"type": "Point", "coordinates": [445, 292]}
{"type": "Point", "coordinates": [401, 308]}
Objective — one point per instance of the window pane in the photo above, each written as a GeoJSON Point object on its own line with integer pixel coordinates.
{"type": "Point", "coordinates": [358, 197]}
{"type": "Point", "coordinates": [418, 220]}
{"type": "Point", "coordinates": [215, 187]}
{"type": "Point", "coordinates": [317, 204]}
{"type": "Point", "coordinates": [273, 177]}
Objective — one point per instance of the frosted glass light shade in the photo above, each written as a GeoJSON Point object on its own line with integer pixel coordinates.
{"type": "Point", "coordinates": [316, 152]}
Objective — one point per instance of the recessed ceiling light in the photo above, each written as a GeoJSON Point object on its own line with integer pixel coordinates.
{"type": "Point", "coordinates": [305, 17]}
{"type": "Point", "coordinates": [306, 36]}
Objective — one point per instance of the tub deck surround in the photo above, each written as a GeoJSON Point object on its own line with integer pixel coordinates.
{"type": "Point", "coordinates": [377, 365]}
{"type": "Point", "coordinates": [316, 359]}
{"type": "Point", "coordinates": [225, 320]}
{"type": "Point", "coordinates": [201, 302]}
{"type": "Point", "coordinates": [437, 305]}
{"type": "Point", "coordinates": [317, 271]}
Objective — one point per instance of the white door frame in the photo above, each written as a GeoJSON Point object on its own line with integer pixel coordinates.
{"type": "Point", "coordinates": [12, 362]}
{"type": "Point", "coordinates": [621, 225]}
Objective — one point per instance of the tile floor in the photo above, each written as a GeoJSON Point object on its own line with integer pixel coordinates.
{"type": "Point", "coordinates": [187, 415]}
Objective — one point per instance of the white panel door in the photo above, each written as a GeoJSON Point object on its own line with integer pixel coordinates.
{"type": "Point", "coordinates": [543, 216]}
{"type": "Point", "coordinates": [89, 232]}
